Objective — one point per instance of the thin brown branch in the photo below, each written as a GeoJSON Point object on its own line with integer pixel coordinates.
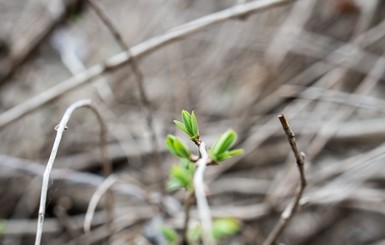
{"type": "Point", "coordinates": [108, 22]}
{"type": "Point", "coordinates": [107, 165]}
{"type": "Point", "coordinates": [292, 208]}
{"type": "Point", "coordinates": [187, 207]}
{"type": "Point", "coordinates": [137, 52]}
{"type": "Point", "coordinates": [336, 75]}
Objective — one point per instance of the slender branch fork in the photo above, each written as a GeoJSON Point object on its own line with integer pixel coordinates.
{"type": "Point", "coordinates": [292, 208]}
{"type": "Point", "coordinates": [60, 131]}
{"type": "Point", "coordinates": [199, 195]}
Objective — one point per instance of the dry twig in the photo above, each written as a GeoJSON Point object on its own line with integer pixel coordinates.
{"type": "Point", "coordinates": [60, 131]}
{"type": "Point", "coordinates": [291, 209]}
{"type": "Point", "coordinates": [94, 201]}
{"type": "Point", "coordinates": [187, 206]}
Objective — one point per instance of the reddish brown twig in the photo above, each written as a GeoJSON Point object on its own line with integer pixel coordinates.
{"type": "Point", "coordinates": [291, 209]}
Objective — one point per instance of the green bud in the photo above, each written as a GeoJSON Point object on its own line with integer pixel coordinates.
{"type": "Point", "coordinates": [189, 125]}
{"type": "Point", "coordinates": [225, 227]}
{"type": "Point", "coordinates": [169, 234]}
{"type": "Point", "coordinates": [220, 150]}
{"type": "Point", "coordinates": [177, 147]}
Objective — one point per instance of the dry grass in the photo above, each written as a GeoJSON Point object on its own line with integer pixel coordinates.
{"type": "Point", "coordinates": [319, 62]}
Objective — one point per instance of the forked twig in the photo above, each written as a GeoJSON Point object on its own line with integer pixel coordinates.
{"type": "Point", "coordinates": [60, 131]}
{"type": "Point", "coordinates": [199, 188]}
{"type": "Point", "coordinates": [292, 208]}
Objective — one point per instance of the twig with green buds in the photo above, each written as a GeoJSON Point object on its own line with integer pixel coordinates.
{"type": "Point", "coordinates": [188, 175]}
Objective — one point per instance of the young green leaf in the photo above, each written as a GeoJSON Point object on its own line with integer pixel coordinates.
{"type": "Point", "coordinates": [181, 149]}
{"type": "Point", "coordinates": [173, 184]}
{"type": "Point", "coordinates": [221, 156]}
{"type": "Point", "coordinates": [194, 234]}
{"type": "Point", "coordinates": [189, 125]}
{"type": "Point", "coordinates": [194, 125]}
{"type": "Point", "coordinates": [236, 152]}
{"type": "Point", "coordinates": [180, 177]}
{"type": "Point", "coordinates": [225, 227]}
{"type": "Point", "coordinates": [225, 141]}
{"type": "Point", "coordinates": [181, 126]}
{"type": "Point", "coordinates": [169, 234]}
{"type": "Point", "coordinates": [187, 122]}
{"type": "Point", "coordinates": [170, 144]}
{"type": "Point", "coordinates": [177, 147]}
{"type": "Point", "coordinates": [185, 163]}
{"type": "Point", "coordinates": [220, 150]}
{"type": "Point", "coordinates": [180, 174]}
{"type": "Point", "coordinates": [191, 168]}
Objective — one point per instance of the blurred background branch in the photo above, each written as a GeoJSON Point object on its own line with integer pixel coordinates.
{"type": "Point", "coordinates": [237, 64]}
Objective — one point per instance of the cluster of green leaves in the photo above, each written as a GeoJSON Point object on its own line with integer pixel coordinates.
{"type": "Point", "coordinates": [177, 147]}
{"type": "Point", "coordinates": [181, 176]}
{"type": "Point", "coordinates": [169, 234]}
{"type": "Point", "coordinates": [189, 125]}
{"type": "Point", "coordinates": [220, 151]}
{"type": "Point", "coordinates": [222, 228]}
{"type": "Point", "coordinates": [225, 227]}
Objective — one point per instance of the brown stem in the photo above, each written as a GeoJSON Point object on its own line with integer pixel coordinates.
{"type": "Point", "coordinates": [187, 207]}
{"type": "Point", "coordinates": [292, 208]}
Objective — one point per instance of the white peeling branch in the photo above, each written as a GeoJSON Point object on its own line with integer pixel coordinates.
{"type": "Point", "coordinates": [200, 195]}
{"type": "Point", "coordinates": [60, 131]}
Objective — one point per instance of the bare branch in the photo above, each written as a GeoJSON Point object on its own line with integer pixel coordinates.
{"type": "Point", "coordinates": [107, 166]}
{"type": "Point", "coordinates": [94, 201]}
{"type": "Point", "coordinates": [137, 51]}
{"type": "Point", "coordinates": [292, 208]}
{"type": "Point", "coordinates": [60, 131]}
{"type": "Point", "coordinates": [107, 21]}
